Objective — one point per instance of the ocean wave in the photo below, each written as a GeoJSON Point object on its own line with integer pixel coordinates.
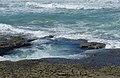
{"type": "Point", "coordinates": [90, 38]}
{"type": "Point", "coordinates": [35, 52]}
{"type": "Point", "coordinates": [61, 32]}
{"type": "Point", "coordinates": [16, 6]}
{"type": "Point", "coordinates": [86, 5]}
{"type": "Point", "coordinates": [9, 29]}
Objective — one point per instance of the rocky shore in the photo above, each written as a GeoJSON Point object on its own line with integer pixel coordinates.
{"type": "Point", "coordinates": [104, 63]}
{"type": "Point", "coordinates": [8, 43]}
{"type": "Point", "coordinates": [46, 69]}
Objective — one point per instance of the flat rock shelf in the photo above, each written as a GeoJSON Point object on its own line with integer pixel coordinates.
{"type": "Point", "coordinates": [96, 65]}
{"type": "Point", "coordinates": [45, 69]}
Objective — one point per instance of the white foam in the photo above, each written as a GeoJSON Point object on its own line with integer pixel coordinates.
{"type": "Point", "coordinates": [8, 29]}
{"type": "Point", "coordinates": [83, 5]}
{"type": "Point", "coordinates": [38, 55]}
{"type": "Point", "coordinates": [52, 5]}
{"type": "Point", "coordinates": [91, 38]}
{"type": "Point", "coordinates": [59, 31]}
{"type": "Point", "coordinates": [3, 59]}
{"type": "Point", "coordinates": [38, 6]}
{"type": "Point", "coordinates": [41, 54]}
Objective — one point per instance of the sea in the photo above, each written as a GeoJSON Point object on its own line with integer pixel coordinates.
{"type": "Point", "coordinates": [93, 20]}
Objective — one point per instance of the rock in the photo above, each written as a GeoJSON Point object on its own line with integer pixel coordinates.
{"type": "Point", "coordinates": [48, 37]}
{"type": "Point", "coordinates": [47, 69]}
{"type": "Point", "coordinates": [30, 40]}
{"type": "Point", "coordinates": [92, 45]}
{"type": "Point", "coordinates": [9, 43]}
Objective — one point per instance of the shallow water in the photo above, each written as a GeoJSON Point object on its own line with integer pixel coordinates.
{"type": "Point", "coordinates": [94, 20]}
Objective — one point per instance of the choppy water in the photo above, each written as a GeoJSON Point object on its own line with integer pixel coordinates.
{"type": "Point", "coordinates": [94, 20]}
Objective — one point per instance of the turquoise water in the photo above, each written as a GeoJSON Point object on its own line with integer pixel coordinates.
{"type": "Point", "coordinates": [72, 19]}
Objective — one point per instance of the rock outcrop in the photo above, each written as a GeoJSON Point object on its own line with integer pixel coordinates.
{"type": "Point", "coordinates": [9, 43]}
{"type": "Point", "coordinates": [43, 68]}
{"type": "Point", "coordinates": [91, 45]}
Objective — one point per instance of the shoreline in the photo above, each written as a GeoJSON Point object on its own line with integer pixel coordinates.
{"type": "Point", "coordinates": [99, 63]}
{"type": "Point", "coordinates": [64, 68]}
{"type": "Point", "coordinates": [43, 68]}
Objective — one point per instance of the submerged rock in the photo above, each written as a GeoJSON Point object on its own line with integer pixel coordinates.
{"type": "Point", "coordinates": [9, 43]}
{"type": "Point", "coordinates": [92, 45]}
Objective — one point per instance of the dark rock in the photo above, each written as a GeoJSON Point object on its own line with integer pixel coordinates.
{"type": "Point", "coordinates": [103, 57]}
{"type": "Point", "coordinates": [48, 37]}
{"type": "Point", "coordinates": [30, 40]}
{"type": "Point", "coordinates": [92, 45]}
{"type": "Point", "coordinates": [43, 69]}
{"type": "Point", "coordinates": [9, 43]}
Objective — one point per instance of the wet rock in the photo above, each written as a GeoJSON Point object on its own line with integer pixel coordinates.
{"type": "Point", "coordinates": [44, 69]}
{"type": "Point", "coordinates": [48, 37]}
{"type": "Point", "coordinates": [92, 45]}
{"type": "Point", "coordinates": [30, 40]}
{"type": "Point", "coordinates": [103, 57]}
{"type": "Point", "coordinates": [9, 43]}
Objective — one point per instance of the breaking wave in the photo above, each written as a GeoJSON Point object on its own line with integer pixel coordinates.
{"type": "Point", "coordinates": [59, 33]}
{"type": "Point", "coordinates": [80, 5]}
{"type": "Point", "coordinates": [74, 21]}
